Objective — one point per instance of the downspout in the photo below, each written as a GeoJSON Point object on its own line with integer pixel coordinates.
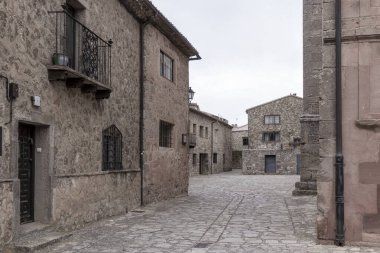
{"type": "Point", "coordinates": [212, 146]}
{"type": "Point", "coordinates": [141, 125]}
{"type": "Point", "coordinates": [7, 87]}
{"type": "Point", "coordinates": [339, 164]}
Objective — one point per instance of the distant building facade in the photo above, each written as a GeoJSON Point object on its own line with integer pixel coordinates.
{"type": "Point", "coordinates": [212, 152]}
{"type": "Point", "coordinates": [82, 117]}
{"type": "Point", "coordinates": [273, 134]}
{"type": "Point", "coordinates": [239, 143]}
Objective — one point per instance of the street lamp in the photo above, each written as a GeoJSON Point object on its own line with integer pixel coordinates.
{"type": "Point", "coordinates": [191, 94]}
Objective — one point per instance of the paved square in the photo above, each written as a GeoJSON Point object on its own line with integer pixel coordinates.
{"type": "Point", "coordinates": [226, 212]}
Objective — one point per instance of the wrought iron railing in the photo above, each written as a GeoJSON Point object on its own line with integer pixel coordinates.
{"type": "Point", "coordinates": [77, 47]}
{"type": "Point", "coordinates": [192, 139]}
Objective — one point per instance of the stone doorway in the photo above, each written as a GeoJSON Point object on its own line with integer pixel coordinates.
{"type": "Point", "coordinates": [26, 173]}
{"type": "Point", "coordinates": [203, 164]}
{"type": "Point", "coordinates": [34, 170]}
{"type": "Point", "coordinates": [270, 164]}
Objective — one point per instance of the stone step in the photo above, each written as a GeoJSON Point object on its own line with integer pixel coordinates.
{"type": "Point", "coordinates": [310, 186]}
{"type": "Point", "coordinates": [304, 192]}
{"type": "Point", "coordinates": [38, 240]}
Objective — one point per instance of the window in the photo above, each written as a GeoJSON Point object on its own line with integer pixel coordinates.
{"type": "Point", "coordinates": [224, 159]}
{"type": "Point", "coordinates": [215, 158]}
{"type": "Point", "coordinates": [166, 134]}
{"type": "Point", "coordinates": [112, 148]}
{"type": "Point", "coordinates": [166, 66]}
{"type": "Point", "coordinates": [271, 136]}
{"type": "Point", "coordinates": [245, 141]}
{"type": "Point", "coordinates": [272, 119]}
{"type": "Point", "coordinates": [194, 129]}
{"type": "Point", "coordinates": [201, 131]}
{"type": "Point", "coordinates": [194, 159]}
{"type": "Point", "coordinates": [206, 132]}
{"type": "Point", "coordinates": [216, 135]}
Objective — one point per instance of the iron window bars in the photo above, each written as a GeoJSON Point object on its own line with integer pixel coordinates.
{"type": "Point", "coordinates": [83, 50]}
{"type": "Point", "coordinates": [165, 134]}
{"type": "Point", "coordinates": [112, 148]}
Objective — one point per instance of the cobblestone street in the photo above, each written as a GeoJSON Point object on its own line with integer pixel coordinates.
{"type": "Point", "coordinates": [227, 212]}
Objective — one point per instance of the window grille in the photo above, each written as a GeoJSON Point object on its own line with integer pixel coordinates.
{"type": "Point", "coordinates": [112, 148]}
{"type": "Point", "coordinates": [165, 134]}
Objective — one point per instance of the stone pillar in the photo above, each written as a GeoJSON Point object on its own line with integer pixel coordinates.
{"type": "Point", "coordinates": [312, 66]}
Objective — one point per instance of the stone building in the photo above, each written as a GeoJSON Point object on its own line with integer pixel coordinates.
{"type": "Point", "coordinates": [341, 73]}
{"type": "Point", "coordinates": [89, 127]}
{"type": "Point", "coordinates": [273, 134]}
{"type": "Point", "coordinates": [239, 143]}
{"type": "Point", "coordinates": [212, 150]}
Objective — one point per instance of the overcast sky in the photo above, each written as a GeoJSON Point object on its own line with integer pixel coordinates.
{"type": "Point", "coordinates": [251, 50]}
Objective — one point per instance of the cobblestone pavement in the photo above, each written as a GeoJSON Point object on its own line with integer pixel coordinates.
{"type": "Point", "coordinates": [227, 212]}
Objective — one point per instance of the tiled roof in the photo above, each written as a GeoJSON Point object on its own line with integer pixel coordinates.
{"type": "Point", "coordinates": [211, 116]}
{"type": "Point", "coordinates": [293, 96]}
{"type": "Point", "coordinates": [145, 11]}
{"type": "Point", "coordinates": [241, 128]}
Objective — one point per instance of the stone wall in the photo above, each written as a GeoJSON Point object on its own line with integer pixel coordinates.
{"type": "Point", "coordinates": [222, 139]}
{"type": "Point", "coordinates": [360, 72]}
{"type": "Point", "coordinates": [237, 140]}
{"type": "Point", "coordinates": [7, 207]}
{"type": "Point", "coordinates": [72, 121]}
{"type": "Point", "coordinates": [166, 172]}
{"type": "Point", "coordinates": [289, 109]}
{"type": "Point", "coordinates": [105, 195]}
{"type": "Point", "coordinates": [238, 147]}
{"type": "Point", "coordinates": [312, 80]}
{"type": "Point", "coordinates": [254, 161]}
{"type": "Point", "coordinates": [218, 140]}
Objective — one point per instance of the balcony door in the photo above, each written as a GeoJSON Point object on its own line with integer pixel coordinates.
{"type": "Point", "coordinates": [70, 34]}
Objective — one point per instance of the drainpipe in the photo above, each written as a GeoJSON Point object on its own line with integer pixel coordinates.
{"type": "Point", "coordinates": [7, 87]}
{"type": "Point", "coordinates": [212, 145]}
{"type": "Point", "coordinates": [339, 164]}
{"type": "Point", "coordinates": [141, 125]}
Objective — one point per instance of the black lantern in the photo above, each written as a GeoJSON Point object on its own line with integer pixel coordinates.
{"type": "Point", "coordinates": [191, 94]}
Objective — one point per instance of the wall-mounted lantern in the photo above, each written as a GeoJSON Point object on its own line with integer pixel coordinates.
{"type": "Point", "coordinates": [191, 94]}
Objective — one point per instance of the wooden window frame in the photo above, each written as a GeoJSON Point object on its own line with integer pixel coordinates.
{"type": "Point", "coordinates": [272, 120]}
{"type": "Point", "coordinates": [166, 66]}
{"type": "Point", "coordinates": [272, 137]}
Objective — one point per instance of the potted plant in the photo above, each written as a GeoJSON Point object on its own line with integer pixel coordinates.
{"type": "Point", "coordinates": [60, 59]}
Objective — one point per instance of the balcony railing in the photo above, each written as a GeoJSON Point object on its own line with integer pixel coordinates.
{"type": "Point", "coordinates": [192, 139]}
{"type": "Point", "coordinates": [80, 49]}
